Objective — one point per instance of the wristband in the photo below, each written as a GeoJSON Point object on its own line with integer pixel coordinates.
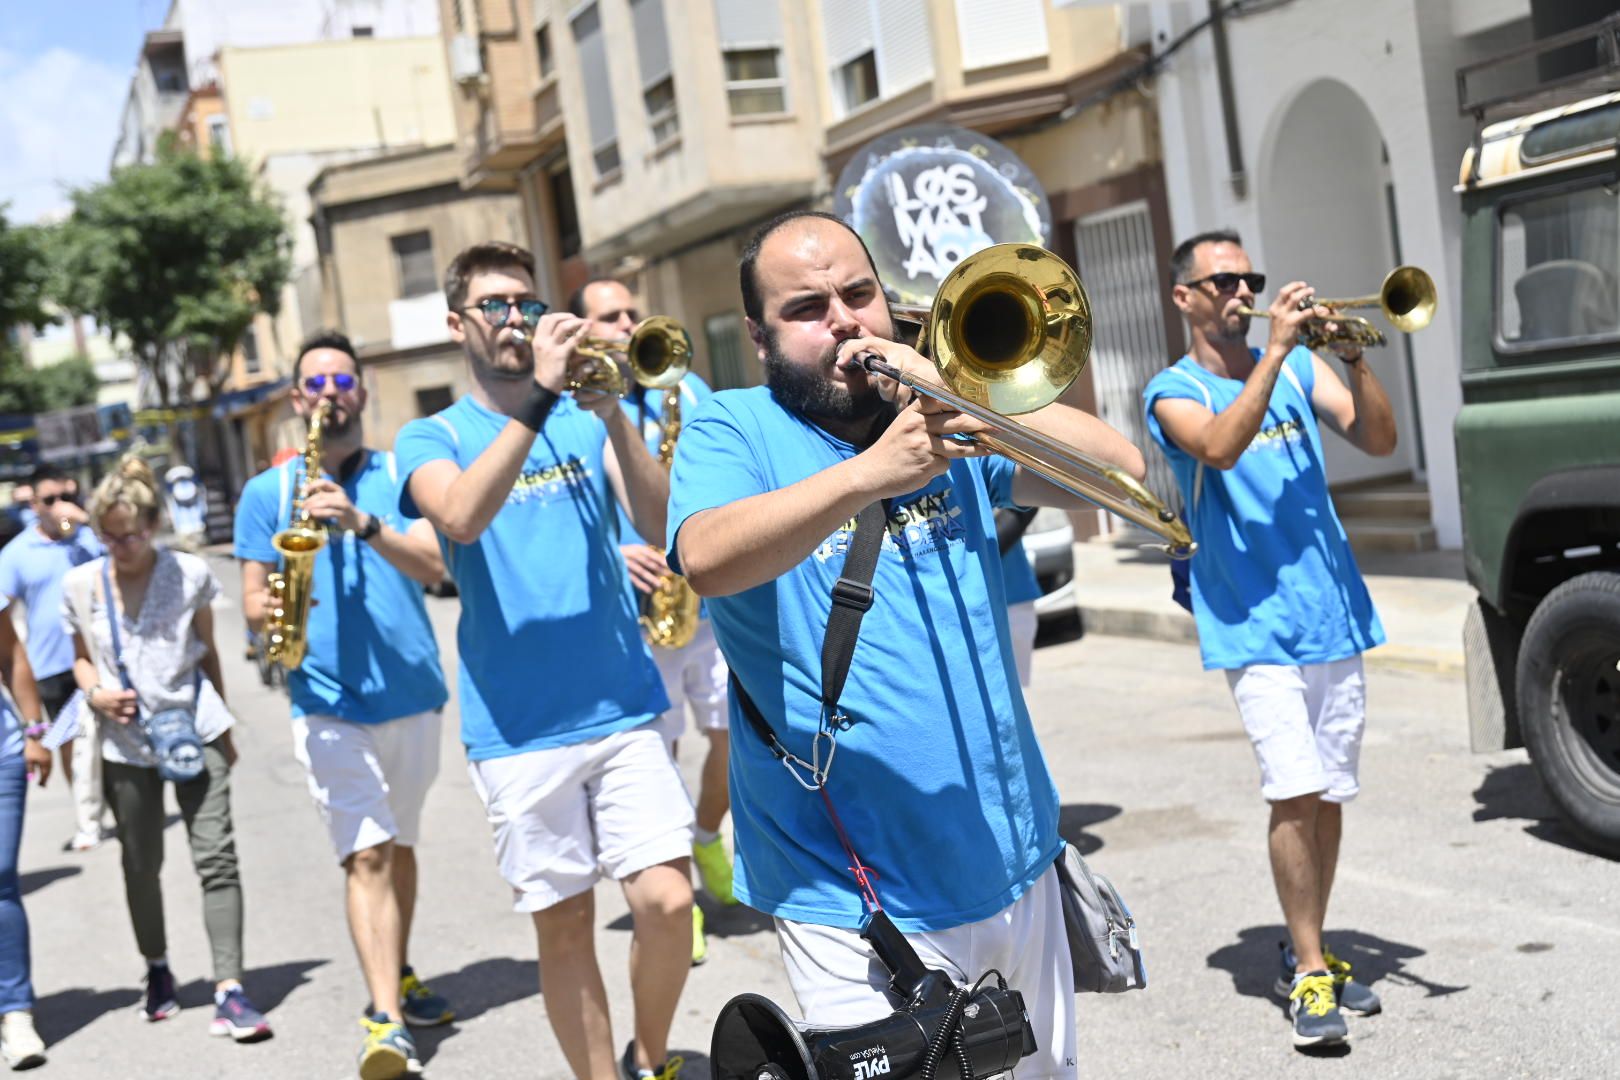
{"type": "Point", "coordinates": [535, 408]}
{"type": "Point", "coordinates": [371, 528]}
{"type": "Point", "coordinates": [35, 731]}
{"type": "Point", "coordinates": [1356, 359]}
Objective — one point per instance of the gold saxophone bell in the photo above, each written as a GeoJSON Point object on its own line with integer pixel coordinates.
{"type": "Point", "coordinates": [658, 350]}
{"type": "Point", "coordinates": [298, 544]}
{"type": "Point", "coordinates": [1009, 331]}
{"type": "Point", "coordinates": [669, 614]}
{"type": "Point", "coordinates": [1407, 298]}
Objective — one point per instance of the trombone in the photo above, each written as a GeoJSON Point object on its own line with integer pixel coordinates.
{"type": "Point", "coordinates": [658, 350]}
{"type": "Point", "coordinates": [1009, 331]}
{"type": "Point", "coordinates": [1407, 298]}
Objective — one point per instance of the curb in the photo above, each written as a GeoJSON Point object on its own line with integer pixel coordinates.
{"type": "Point", "coordinates": [1178, 628]}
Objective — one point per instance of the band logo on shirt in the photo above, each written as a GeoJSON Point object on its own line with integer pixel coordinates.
{"type": "Point", "coordinates": [549, 482]}
{"type": "Point", "coordinates": [926, 523]}
{"type": "Point", "coordinates": [1276, 437]}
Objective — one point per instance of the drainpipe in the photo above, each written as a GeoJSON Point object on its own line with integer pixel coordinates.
{"type": "Point", "coordinates": [1238, 176]}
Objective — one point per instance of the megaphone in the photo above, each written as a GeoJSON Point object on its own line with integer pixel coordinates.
{"type": "Point", "coordinates": [941, 1032]}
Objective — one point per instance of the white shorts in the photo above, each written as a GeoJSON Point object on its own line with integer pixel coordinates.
{"type": "Point", "coordinates": [568, 815]}
{"type": "Point", "coordinates": [695, 674]}
{"type": "Point", "coordinates": [1024, 624]}
{"type": "Point", "coordinates": [369, 780]}
{"type": "Point", "coordinates": [1305, 723]}
{"type": "Point", "coordinates": [838, 979]}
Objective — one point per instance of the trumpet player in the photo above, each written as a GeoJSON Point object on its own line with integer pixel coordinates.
{"type": "Point", "coordinates": [694, 674]}
{"type": "Point", "coordinates": [939, 780]}
{"type": "Point", "coordinates": [32, 567]}
{"type": "Point", "coordinates": [368, 696]}
{"type": "Point", "coordinates": [1279, 602]}
{"type": "Point", "coordinates": [559, 699]}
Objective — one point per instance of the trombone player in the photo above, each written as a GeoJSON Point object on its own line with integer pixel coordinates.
{"type": "Point", "coordinates": [939, 780]}
{"type": "Point", "coordinates": [1278, 600]}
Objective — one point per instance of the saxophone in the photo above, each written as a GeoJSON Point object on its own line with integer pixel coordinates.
{"type": "Point", "coordinates": [298, 544]}
{"type": "Point", "coordinates": [669, 614]}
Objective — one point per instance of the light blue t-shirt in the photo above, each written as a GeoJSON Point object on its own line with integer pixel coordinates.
{"type": "Point", "coordinates": [1273, 581]}
{"type": "Point", "coordinates": [939, 781]}
{"type": "Point", "coordinates": [1017, 572]}
{"type": "Point", "coordinates": [372, 655]}
{"type": "Point", "coordinates": [551, 653]}
{"type": "Point", "coordinates": [32, 567]}
{"type": "Point", "coordinates": [11, 736]}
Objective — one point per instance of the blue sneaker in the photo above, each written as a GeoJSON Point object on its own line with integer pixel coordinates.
{"type": "Point", "coordinates": [1356, 999]}
{"type": "Point", "coordinates": [389, 1052]}
{"type": "Point", "coordinates": [419, 1004]}
{"type": "Point", "coordinates": [160, 1002]}
{"type": "Point", "coordinates": [236, 1016]}
{"type": "Point", "coordinates": [1315, 1013]}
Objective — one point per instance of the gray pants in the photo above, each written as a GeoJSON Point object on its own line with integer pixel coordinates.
{"type": "Point", "coordinates": [136, 797]}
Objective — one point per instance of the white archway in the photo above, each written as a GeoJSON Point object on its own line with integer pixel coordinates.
{"type": "Point", "coordinates": [1325, 218]}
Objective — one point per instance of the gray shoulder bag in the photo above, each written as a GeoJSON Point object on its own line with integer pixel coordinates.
{"type": "Point", "coordinates": [1102, 934]}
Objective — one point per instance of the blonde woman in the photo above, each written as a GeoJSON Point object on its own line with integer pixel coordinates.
{"type": "Point", "coordinates": [143, 638]}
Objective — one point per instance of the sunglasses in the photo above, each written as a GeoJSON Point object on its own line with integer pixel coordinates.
{"type": "Point", "coordinates": [51, 500]}
{"type": "Point", "coordinates": [1226, 281]}
{"type": "Point", "coordinates": [314, 384]}
{"type": "Point", "coordinates": [496, 311]}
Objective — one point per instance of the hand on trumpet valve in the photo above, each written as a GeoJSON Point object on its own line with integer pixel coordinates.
{"type": "Point", "coordinates": [553, 339]}
{"type": "Point", "coordinates": [1290, 312]}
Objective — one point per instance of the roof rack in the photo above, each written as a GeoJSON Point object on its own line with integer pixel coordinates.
{"type": "Point", "coordinates": [1605, 75]}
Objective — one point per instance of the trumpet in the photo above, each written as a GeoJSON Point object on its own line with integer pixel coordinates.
{"type": "Point", "coordinates": [1407, 298]}
{"type": "Point", "coordinates": [1010, 331]}
{"type": "Point", "coordinates": [658, 350]}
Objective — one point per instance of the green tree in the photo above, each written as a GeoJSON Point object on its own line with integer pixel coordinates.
{"type": "Point", "coordinates": [176, 257]}
{"type": "Point", "coordinates": [25, 275]}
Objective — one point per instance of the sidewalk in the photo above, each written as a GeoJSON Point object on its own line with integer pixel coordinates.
{"type": "Point", "coordinates": [1421, 599]}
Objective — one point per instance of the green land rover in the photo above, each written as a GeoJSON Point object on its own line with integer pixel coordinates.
{"type": "Point", "coordinates": [1538, 450]}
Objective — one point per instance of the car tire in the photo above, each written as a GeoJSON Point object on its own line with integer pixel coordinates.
{"type": "Point", "coordinates": [1569, 703]}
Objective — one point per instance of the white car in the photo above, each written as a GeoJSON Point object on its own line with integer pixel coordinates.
{"type": "Point", "coordinates": [1049, 544]}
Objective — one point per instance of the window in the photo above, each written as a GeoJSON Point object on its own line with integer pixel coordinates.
{"type": "Point", "coordinates": [662, 119]}
{"type": "Point", "coordinates": [250, 352]}
{"type": "Point", "coordinates": [219, 135]}
{"type": "Point", "coordinates": [754, 81]}
{"type": "Point", "coordinates": [858, 81]}
{"type": "Point", "coordinates": [432, 399]}
{"type": "Point", "coordinates": [413, 256]}
{"type": "Point", "coordinates": [1559, 259]}
{"type": "Point", "coordinates": [657, 77]}
{"type": "Point", "coordinates": [560, 180]}
{"type": "Point", "coordinates": [728, 350]}
{"type": "Point", "coordinates": [542, 48]}
{"type": "Point", "coordinates": [593, 70]}
{"type": "Point", "coordinates": [1000, 31]}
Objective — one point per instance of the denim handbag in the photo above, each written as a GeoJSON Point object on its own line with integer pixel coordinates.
{"type": "Point", "coordinates": [171, 733]}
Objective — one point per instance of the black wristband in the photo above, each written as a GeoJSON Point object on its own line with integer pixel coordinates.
{"type": "Point", "coordinates": [372, 527]}
{"type": "Point", "coordinates": [1356, 359]}
{"type": "Point", "coordinates": [535, 408]}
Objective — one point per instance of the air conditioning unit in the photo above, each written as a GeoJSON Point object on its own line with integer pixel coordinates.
{"type": "Point", "coordinates": [466, 59]}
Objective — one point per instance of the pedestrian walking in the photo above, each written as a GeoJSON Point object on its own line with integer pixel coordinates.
{"type": "Point", "coordinates": [21, 757]}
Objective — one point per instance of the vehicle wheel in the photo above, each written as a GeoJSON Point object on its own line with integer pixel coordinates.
{"type": "Point", "coordinates": [1569, 703]}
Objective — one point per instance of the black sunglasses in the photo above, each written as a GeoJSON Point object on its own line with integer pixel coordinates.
{"type": "Point", "coordinates": [496, 311]}
{"type": "Point", "coordinates": [1226, 281]}
{"type": "Point", "coordinates": [50, 500]}
{"type": "Point", "coordinates": [314, 384]}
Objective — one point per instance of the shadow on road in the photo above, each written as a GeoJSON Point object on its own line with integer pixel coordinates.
{"type": "Point", "coordinates": [1074, 818]}
{"type": "Point", "coordinates": [35, 880]}
{"type": "Point", "coordinates": [1253, 964]}
{"type": "Point", "coordinates": [1516, 792]}
{"type": "Point", "coordinates": [474, 990]}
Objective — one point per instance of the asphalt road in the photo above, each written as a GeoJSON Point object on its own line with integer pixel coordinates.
{"type": "Point", "coordinates": [1493, 940]}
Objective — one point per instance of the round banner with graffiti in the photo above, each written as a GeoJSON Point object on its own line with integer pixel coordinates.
{"type": "Point", "coordinates": [924, 198]}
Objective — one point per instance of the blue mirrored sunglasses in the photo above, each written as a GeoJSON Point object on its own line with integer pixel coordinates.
{"type": "Point", "coordinates": [496, 311]}
{"type": "Point", "coordinates": [314, 384]}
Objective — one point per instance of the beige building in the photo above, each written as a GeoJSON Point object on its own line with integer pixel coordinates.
{"type": "Point", "coordinates": [385, 229]}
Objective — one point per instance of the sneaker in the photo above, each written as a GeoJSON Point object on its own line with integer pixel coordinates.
{"type": "Point", "coordinates": [700, 944]}
{"type": "Point", "coordinates": [236, 1016]}
{"type": "Point", "coordinates": [628, 1070]}
{"type": "Point", "coordinates": [20, 1045]}
{"type": "Point", "coordinates": [160, 1003]}
{"type": "Point", "coordinates": [389, 1051]}
{"type": "Point", "coordinates": [83, 841]}
{"type": "Point", "coordinates": [714, 869]}
{"type": "Point", "coordinates": [420, 1006]}
{"type": "Point", "coordinates": [1355, 999]}
{"type": "Point", "coordinates": [1316, 1016]}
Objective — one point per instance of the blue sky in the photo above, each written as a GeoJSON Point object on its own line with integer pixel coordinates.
{"type": "Point", "coordinates": [64, 71]}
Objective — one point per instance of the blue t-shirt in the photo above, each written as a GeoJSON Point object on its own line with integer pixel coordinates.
{"type": "Point", "coordinates": [372, 655]}
{"type": "Point", "coordinates": [32, 567]}
{"type": "Point", "coordinates": [1274, 581]}
{"type": "Point", "coordinates": [1017, 572]}
{"type": "Point", "coordinates": [11, 737]}
{"type": "Point", "coordinates": [939, 781]}
{"type": "Point", "coordinates": [551, 653]}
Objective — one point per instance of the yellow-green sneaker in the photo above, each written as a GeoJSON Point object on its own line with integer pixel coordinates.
{"type": "Point", "coordinates": [700, 945]}
{"type": "Point", "coordinates": [714, 868]}
{"type": "Point", "coordinates": [420, 1006]}
{"type": "Point", "coordinates": [389, 1052]}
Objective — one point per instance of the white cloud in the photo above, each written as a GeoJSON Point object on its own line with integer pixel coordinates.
{"type": "Point", "coordinates": [59, 114]}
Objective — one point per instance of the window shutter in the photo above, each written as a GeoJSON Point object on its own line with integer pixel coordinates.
{"type": "Point", "coordinates": [1000, 31]}
{"type": "Point", "coordinates": [905, 52]}
{"type": "Point", "coordinates": [748, 23]}
{"type": "Point", "coordinates": [847, 28]}
{"type": "Point", "coordinates": [652, 40]}
{"type": "Point", "coordinates": [593, 72]}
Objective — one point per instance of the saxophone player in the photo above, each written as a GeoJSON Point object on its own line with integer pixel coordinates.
{"type": "Point", "coordinates": [695, 673]}
{"type": "Point", "coordinates": [366, 701]}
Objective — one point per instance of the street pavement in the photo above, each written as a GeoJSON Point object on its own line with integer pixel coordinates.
{"type": "Point", "coordinates": [1492, 938]}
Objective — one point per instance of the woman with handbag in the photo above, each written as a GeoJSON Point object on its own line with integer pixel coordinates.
{"type": "Point", "coordinates": [143, 635]}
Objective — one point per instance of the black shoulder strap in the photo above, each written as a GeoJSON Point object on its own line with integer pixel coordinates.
{"type": "Point", "coordinates": [852, 597]}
